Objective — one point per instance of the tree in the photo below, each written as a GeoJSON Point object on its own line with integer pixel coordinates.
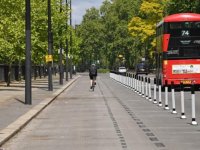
{"type": "Point", "coordinates": [180, 6]}
{"type": "Point", "coordinates": [115, 18]}
{"type": "Point", "coordinates": [142, 27]}
{"type": "Point", "coordinates": [90, 33]}
{"type": "Point", "coordinates": [12, 30]}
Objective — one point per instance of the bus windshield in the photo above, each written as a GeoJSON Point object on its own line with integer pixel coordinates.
{"type": "Point", "coordinates": [184, 42]}
{"type": "Point", "coordinates": [182, 29]}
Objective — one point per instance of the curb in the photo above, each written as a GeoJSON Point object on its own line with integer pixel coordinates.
{"type": "Point", "coordinates": [21, 122]}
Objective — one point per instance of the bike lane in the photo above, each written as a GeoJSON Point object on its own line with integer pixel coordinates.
{"type": "Point", "coordinates": [80, 119]}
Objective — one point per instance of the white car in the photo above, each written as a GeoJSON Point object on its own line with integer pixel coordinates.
{"type": "Point", "coordinates": [122, 70]}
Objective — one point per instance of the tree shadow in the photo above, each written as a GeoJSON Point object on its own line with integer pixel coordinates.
{"type": "Point", "coordinates": [19, 100]}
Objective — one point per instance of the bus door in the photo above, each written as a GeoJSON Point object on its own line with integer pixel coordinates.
{"type": "Point", "coordinates": [158, 66]}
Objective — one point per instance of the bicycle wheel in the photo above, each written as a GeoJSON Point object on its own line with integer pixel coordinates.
{"type": "Point", "coordinates": [93, 85]}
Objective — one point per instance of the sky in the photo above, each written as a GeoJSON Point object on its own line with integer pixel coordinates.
{"type": "Point", "coordinates": [79, 8]}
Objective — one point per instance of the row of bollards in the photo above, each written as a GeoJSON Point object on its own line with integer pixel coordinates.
{"type": "Point", "coordinates": [142, 86]}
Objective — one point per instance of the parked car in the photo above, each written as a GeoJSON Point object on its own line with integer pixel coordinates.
{"type": "Point", "coordinates": [122, 70]}
{"type": "Point", "coordinates": [142, 68]}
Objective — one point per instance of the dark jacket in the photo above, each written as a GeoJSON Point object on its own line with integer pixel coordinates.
{"type": "Point", "coordinates": [93, 70]}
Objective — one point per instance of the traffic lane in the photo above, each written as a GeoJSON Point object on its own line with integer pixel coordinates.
{"type": "Point", "coordinates": [84, 120]}
{"type": "Point", "coordinates": [187, 94]}
{"type": "Point", "coordinates": [187, 99]}
{"type": "Point", "coordinates": [181, 135]}
{"type": "Point", "coordinates": [187, 102]}
{"type": "Point", "coordinates": [162, 122]}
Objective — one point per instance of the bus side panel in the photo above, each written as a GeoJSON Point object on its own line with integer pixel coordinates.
{"type": "Point", "coordinates": [165, 42]}
{"type": "Point", "coordinates": [185, 71]}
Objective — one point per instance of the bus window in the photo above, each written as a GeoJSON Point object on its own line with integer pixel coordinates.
{"type": "Point", "coordinates": [181, 25]}
{"type": "Point", "coordinates": [175, 25]}
{"type": "Point", "coordinates": [197, 25]}
{"type": "Point", "coordinates": [187, 25]}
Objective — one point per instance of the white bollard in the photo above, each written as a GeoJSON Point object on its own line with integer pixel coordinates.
{"type": "Point", "coordinates": [166, 96]}
{"type": "Point", "coordinates": [143, 87]}
{"type": "Point", "coordinates": [131, 77]}
{"type": "Point", "coordinates": [193, 106]}
{"type": "Point", "coordinates": [126, 81]}
{"type": "Point", "coordinates": [173, 99]}
{"type": "Point", "coordinates": [154, 98]}
{"type": "Point", "coordinates": [140, 85]}
{"type": "Point", "coordinates": [117, 77]}
{"type": "Point", "coordinates": [135, 83]}
{"type": "Point", "coordinates": [122, 79]}
{"type": "Point", "coordinates": [149, 81]}
{"type": "Point", "coordinates": [146, 88]}
{"type": "Point", "coordinates": [137, 80]}
{"type": "Point", "coordinates": [160, 92]}
{"type": "Point", "coordinates": [131, 81]}
{"type": "Point", "coordinates": [182, 102]}
{"type": "Point", "coordinates": [128, 84]}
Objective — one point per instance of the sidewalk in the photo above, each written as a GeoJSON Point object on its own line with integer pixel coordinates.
{"type": "Point", "coordinates": [113, 117]}
{"type": "Point", "coordinates": [14, 114]}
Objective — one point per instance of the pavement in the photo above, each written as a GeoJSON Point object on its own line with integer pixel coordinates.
{"type": "Point", "coordinates": [80, 119]}
{"type": "Point", "coordinates": [15, 114]}
{"type": "Point", "coordinates": [113, 117]}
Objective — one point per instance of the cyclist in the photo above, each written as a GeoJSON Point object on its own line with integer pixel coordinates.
{"type": "Point", "coordinates": [92, 74]}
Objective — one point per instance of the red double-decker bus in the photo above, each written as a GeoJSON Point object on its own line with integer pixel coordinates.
{"type": "Point", "coordinates": [178, 49]}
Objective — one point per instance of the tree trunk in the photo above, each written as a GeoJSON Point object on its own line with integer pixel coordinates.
{"type": "Point", "coordinates": [9, 74]}
{"type": "Point", "coordinates": [35, 72]}
{"type": "Point", "coordinates": [20, 71]}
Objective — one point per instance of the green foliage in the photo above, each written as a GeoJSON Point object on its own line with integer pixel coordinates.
{"type": "Point", "coordinates": [180, 6]}
{"type": "Point", "coordinates": [142, 26]}
{"type": "Point", "coordinates": [119, 28]}
{"type": "Point", "coordinates": [90, 33]}
{"type": "Point", "coordinates": [105, 35]}
{"type": "Point", "coordinates": [103, 70]}
{"type": "Point", "coordinates": [12, 29]}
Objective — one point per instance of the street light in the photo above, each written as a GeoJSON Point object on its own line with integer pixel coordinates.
{"type": "Point", "coordinates": [67, 47]}
{"type": "Point", "coordinates": [71, 38]}
{"type": "Point", "coordinates": [28, 94]}
{"type": "Point", "coordinates": [50, 41]}
{"type": "Point", "coordinates": [60, 56]}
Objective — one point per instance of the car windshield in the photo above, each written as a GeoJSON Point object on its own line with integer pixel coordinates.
{"type": "Point", "coordinates": [141, 65]}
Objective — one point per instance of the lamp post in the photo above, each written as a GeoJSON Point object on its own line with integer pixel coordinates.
{"type": "Point", "coordinates": [50, 41]}
{"type": "Point", "coordinates": [71, 38]}
{"type": "Point", "coordinates": [66, 61]}
{"type": "Point", "coordinates": [28, 92]}
{"type": "Point", "coordinates": [60, 55]}
{"type": "Point", "coordinates": [67, 47]}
